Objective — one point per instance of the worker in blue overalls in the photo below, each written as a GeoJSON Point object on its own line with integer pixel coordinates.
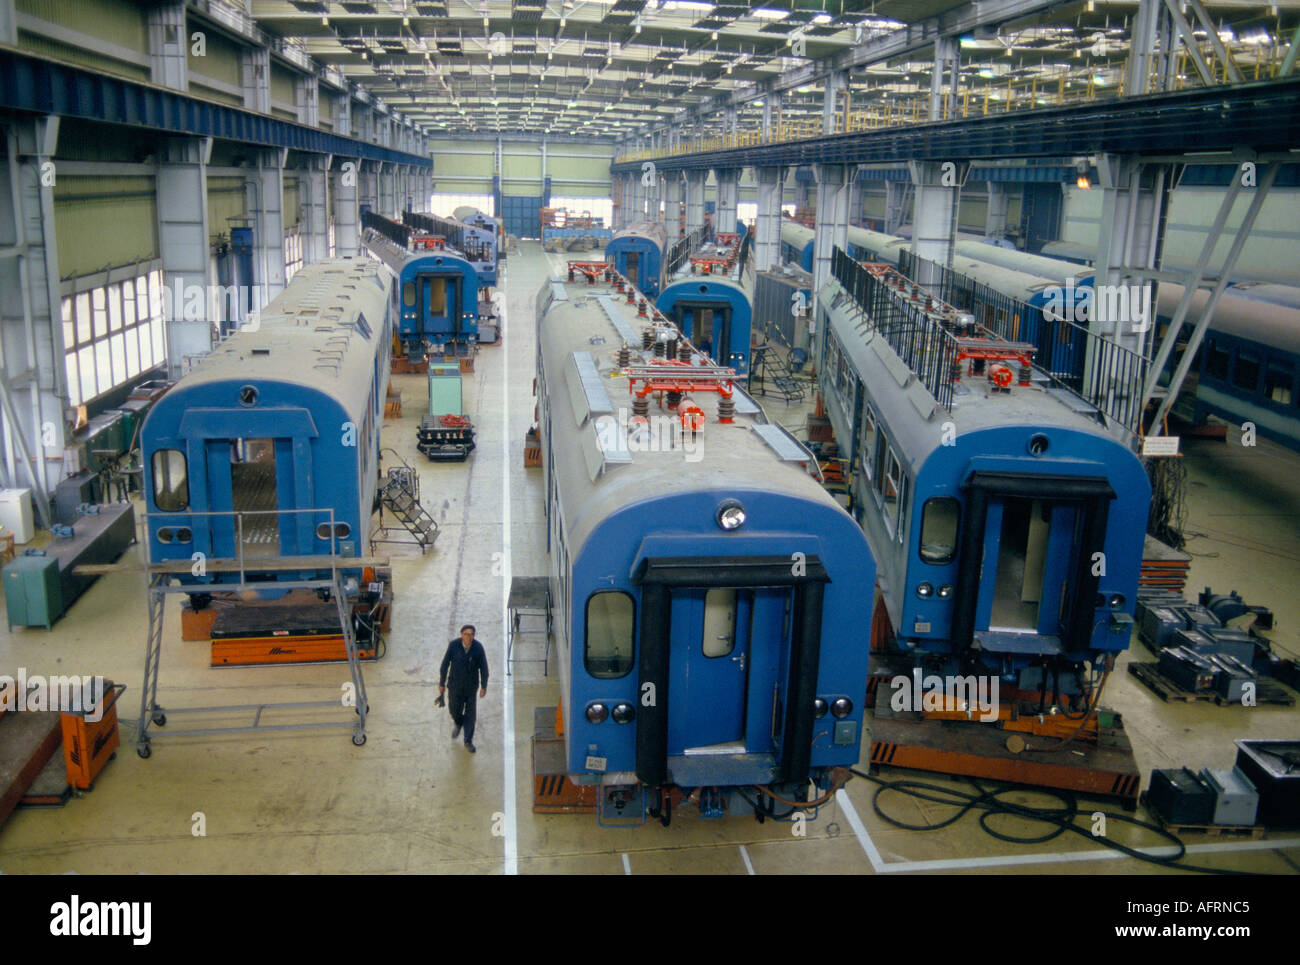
{"type": "Point", "coordinates": [467, 663]}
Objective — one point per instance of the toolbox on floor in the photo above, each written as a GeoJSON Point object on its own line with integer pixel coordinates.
{"type": "Point", "coordinates": [89, 744]}
{"type": "Point", "coordinates": [1181, 797]}
{"type": "Point", "coordinates": [1235, 799]}
{"type": "Point", "coordinates": [1190, 670]}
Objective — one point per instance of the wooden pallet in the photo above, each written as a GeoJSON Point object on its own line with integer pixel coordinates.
{"type": "Point", "coordinates": [1166, 689]}
{"type": "Point", "coordinates": [1268, 692]}
{"type": "Point", "coordinates": [1250, 832]}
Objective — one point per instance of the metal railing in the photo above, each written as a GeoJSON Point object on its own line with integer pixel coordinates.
{"type": "Point", "coordinates": [923, 344]}
{"type": "Point", "coordinates": [681, 249]}
{"type": "Point", "coordinates": [398, 234]}
{"type": "Point", "coordinates": [1104, 374]}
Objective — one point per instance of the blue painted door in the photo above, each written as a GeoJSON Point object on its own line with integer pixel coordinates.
{"type": "Point", "coordinates": [1029, 552]}
{"type": "Point", "coordinates": [522, 215]}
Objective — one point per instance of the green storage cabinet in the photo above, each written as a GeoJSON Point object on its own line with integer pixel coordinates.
{"type": "Point", "coordinates": [444, 389]}
{"type": "Point", "coordinates": [33, 591]}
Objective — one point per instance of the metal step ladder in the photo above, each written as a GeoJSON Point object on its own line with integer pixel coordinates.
{"type": "Point", "coordinates": [769, 370]}
{"type": "Point", "coordinates": [400, 495]}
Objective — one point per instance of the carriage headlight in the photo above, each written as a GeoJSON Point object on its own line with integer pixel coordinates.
{"type": "Point", "coordinates": [819, 708]}
{"type": "Point", "coordinates": [842, 707]}
{"type": "Point", "coordinates": [623, 713]}
{"type": "Point", "coordinates": [925, 591]}
{"type": "Point", "coordinates": [596, 713]}
{"type": "Point", "coordinates": [945, 591]}
{"type": "Point", "coordinates": [1116, 600]}
{"type": "Point", "coordinates": [730, 514]}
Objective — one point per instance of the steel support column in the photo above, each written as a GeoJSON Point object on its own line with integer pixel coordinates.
{"type": "Point", "coordinates": [673, 204]}
{"type": "Point", "coordinates": [947, 66]}
{"type": "Point", "coordinates": [8, 23]}
{"type": "Point", "coordinates": [169, 46]}
{"type": "Point", "coordinates": [938, 187]}
{"type": "Point", "coordinates": [344, 195]}
{"type": "Point", "coordinates": [306, 96]}
{"type": "Point", "coordinates": [834, 182]}
{"type": "Point", "coordinates": [387, 191]}
{"type": "Point", "coordinates": [264, 194]}
{"type": "Point", "coordinates": [836, 83]}
{"type": "Point", "coordinates": [895, 205]}
{"type": "Point", "coordinates": [995, 217]}
{"type": "Point", "coordinates": [313, 196]}
{"type": "Point", "coordinates": [695, 200]}
{"type": "Point", "coordinates": [728, 197]}
{"type": "Point", "coordinates": [255, 79]}
{"type": "Point", "coordinates": [182, 191]}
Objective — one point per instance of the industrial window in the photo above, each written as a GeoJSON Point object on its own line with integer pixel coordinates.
{"type": "Point", "coordinates": [599, 208]}
{"type": "Point", "coordinates": [292, 253]}
{"type": "Point", "coordinates": [330, 236]}
{"type": "Point", "coordinates": [867, 438]}
{"type": "Point", "coordinates": [1245, 375]}
{"type": "Point", "coordinates": [610, 630]}
{"type": "Point", "coordinates": [408, 294]}
{"type": "Point", "coordinates": [1216, 361]}
{"type": "Point", "coordinates": [171, 485]}
{"type": "Point", "coordinates": [1279, 379]}
{"type": "Point", "coordinates": [939, 529]}
{"type": "Point", "coordinates": [111, 333]}
{"type": "Point", "coordinates": [444, 204]}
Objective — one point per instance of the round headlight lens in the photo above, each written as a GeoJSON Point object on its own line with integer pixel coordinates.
{"type": "Point", "coordinates": [596, 713]}
{"type": "Point", "coordinates": [819, 708]}
{"type": "Point", "coordinates": [842, 707]}
{"type": "Point", "coordinates": [945, 591]}
{"type": "Point", "coordinates": [730, 514]}
{"type": "Point", "coordinates": [623, 713]}
{"type": "Point", "coordinates": [925, 591]}
{"type": "Point", "coordinates": [1116, 601]}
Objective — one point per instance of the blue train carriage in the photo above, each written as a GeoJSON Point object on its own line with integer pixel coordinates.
{"type": "Point", "coordinates": [709, 592]}
{"type": "Point", "coordinates": [1249, 363]}
{"type": "Point", "coordinates": [797, 244]}
{"type": "Point", "coordinates": [985, 513]}
{"type": "Point", "coordinates": [435, 294]}
{"type": "Point", "coordinates": [273, 439]}
{"type": "Point", "coordinates": [715, 314]}
{"type": "Point", "coordinates": [637, 252]}
{"type": "Point", "coordinates": [482, 241]}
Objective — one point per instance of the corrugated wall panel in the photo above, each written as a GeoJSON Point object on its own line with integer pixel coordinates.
{"type": "Point", "coordinates": [119, 23]}
{"type": "Point", "coordinates": [101, 222]}
{"type": "Point", "coordinates": [470, 163]}
{"type": "Point", "coordinates": [461, 185]}
{"type": "Point", "coordinates": [45, 47]}
{"type": "Point", "coordinates": [220, 60]}
{"type": "Point", "coordinates": [517, 161]}
{"type": "Point", "coordinates": [282, 84]}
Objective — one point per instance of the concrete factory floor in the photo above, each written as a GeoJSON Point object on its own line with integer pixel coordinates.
{"type": "Point", "coordinates": [413, 800]}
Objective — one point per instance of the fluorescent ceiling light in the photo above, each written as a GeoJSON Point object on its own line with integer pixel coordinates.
{"type": "Point", "coordinates": [769, 13]}
{"type": "Point", "coordinates": [822, 18]}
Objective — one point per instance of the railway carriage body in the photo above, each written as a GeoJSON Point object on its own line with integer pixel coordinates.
{"type": "Point", "coordinates": [715, 312]}
{"type": "Point", "coordinates": [638, 253]}
{"type": "Point", "coordinates": [708, 589]}
{"type": "Point", "coordinates": [797, 244]}
{"type": "Point", "coordinates": [270, 446]}
{"type": "Point", "coordinates": [435, 294]}
{"type": "Point", "coordinates": [1007, 524]}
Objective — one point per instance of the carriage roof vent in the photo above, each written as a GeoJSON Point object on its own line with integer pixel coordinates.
{"type": "Point", "coordinates": [625, 331]}
{"type": "Point", "coordinates": [786, 446]}
{"type": "Point", "coordinates": [586, 390]}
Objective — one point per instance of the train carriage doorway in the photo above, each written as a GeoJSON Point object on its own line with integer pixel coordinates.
{"type": "Point", "coordinates": [253, 496]}
{"type": "Point", "coordinates": [707, 325]}
{"type": "Point", "coordinates": [710, 648]}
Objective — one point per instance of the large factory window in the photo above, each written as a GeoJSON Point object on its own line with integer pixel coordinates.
{"type": "Point", "coordinates": [171, 485]}
{"type": "Point", "coordinates": [939, 529]}
{"type": "Point", "coordinates": [292, 253]}
{"type": "Point", "coordinates": [111, 333]}
{"type": "Point", "coordinates": [610, 630]}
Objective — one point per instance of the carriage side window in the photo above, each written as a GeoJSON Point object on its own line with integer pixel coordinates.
{"type": "Point", "coordinates": [171, 485]}
{"type": "Point", "coordinates": [610, 634]}
{"type": "Point", "coordinates": [1279, 380]}
{"type": "Point", "coordinates": [408, 294]}
{"type": "Point", "coordinates": [867, 441]}
{"type": "Point", "coordinates": [1245, 375]}
{"type": "Point", "coordinates": [939, 520]}
{"type": "Point", "coordinates": [881, 463]}
{"type": "Point", "coordinates": [893, 490]}
{"type": "Point", "coordinates": [1216, 361]}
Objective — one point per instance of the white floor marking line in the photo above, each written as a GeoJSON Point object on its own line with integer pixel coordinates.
{"type": "Point", "coordinates": [511, 855]}
{"type": "Point", "coordinates": [627, 866]}
{"type": "Point", "coordinates": [748, 864]}
{"type": "Point", "coordinates": [955, 864]}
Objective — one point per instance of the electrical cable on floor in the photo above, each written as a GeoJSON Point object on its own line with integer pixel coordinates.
{"type": "Point", "coordinates": [1062, 818]}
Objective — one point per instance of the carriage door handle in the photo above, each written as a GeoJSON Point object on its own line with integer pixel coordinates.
{"type": "Point", "coordinates": [740, 660]}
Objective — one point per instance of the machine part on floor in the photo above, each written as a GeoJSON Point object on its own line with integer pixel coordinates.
{"type": "Point", "coordinates": [1180, 796]}
{"type": "Point", "coordinates": [256, 635]}
{"type": "Point", "coordinates": [1236, 802]}
{"type": "Point", "coordinates": [40, 588]}
{"type": "Point", "coordinates": [446, 433]}
{"type": "Point", "coordinates": [1187, 668]}
{"type": "Point", "coordinates": [90, 744]}
{"type": "Point", "coordinates": [1232, 606]}
{"type": "Point", "coordinates": [27, 742]}
{"type": "Point", "coordinates": [1273, 767]}
{"type": "Point", "coordinates": [354, 701]}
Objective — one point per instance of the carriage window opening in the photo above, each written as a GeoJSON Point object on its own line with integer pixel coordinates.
{"type": "Point", "coordinates": [882, 459]}
{"type": "Point", "coordinates": [719, 633]}
{"type": "Point", "coordinates": [904, 495]}
{"type": "Point", "coordinates": [1278, 381]}
{"type": "Point", "coordinates": [892, 491]}
{"type": "Point", "coordinates": [868, 440]}
{"type": "Point", "coordinates": [610, 629]}
{"type": "Point", "coordinates": [1246, 373]}
{"type": "Point", "coordinates": [939, 520]}
{"type": "Point", "coordinates": [408, 294]}
{"type": "Point", "coordinates": [171, 487]}
{"type": "Point", "coordinates": [1216, 361]}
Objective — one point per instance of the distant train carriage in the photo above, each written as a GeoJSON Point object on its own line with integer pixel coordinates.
{"type": "Point", "coordinates": [475, 244]}
{"type": "Point", "coordinates": [638, 252]}
{"type": "Point", "coordinates": [269, 447]}
{"type": "Point", "coordinates": [987, 501]}
{"type": "Point", "coordinates": [484, 241]}
{"type": "Point", "coordinates": [436, 292]}
{"type": "Point", "coordinates": [707, 588]}
{"type": "Point", "coordinates": [797, 244]}
{"type": "Point", "coordinates": [715, 314]}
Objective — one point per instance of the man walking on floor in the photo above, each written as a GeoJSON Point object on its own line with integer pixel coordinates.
{"type": "Point", "coordinates": [467, 662]}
